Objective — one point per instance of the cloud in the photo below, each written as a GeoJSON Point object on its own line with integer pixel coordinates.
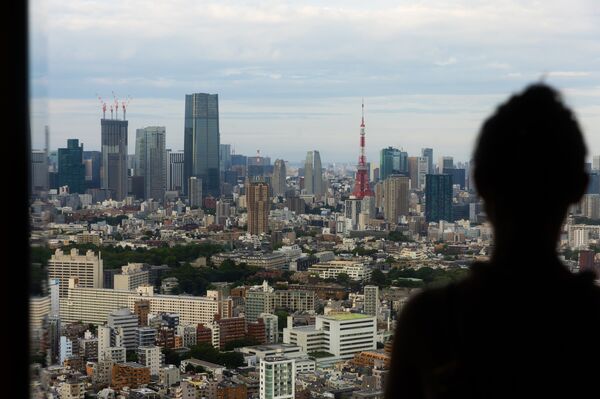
{"type": "Point", "coordinates": [446, 62]}
{"type": "Point", "coordinates": [295, 69]}
{"type": "Point", "coordinates": [568, 74]}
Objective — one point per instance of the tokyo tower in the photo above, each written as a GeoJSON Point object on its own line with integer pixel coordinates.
{"type": "Point", "coordinates": [361, 186]}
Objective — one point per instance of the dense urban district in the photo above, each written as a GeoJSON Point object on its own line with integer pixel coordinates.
{"type": "Point", "coordinates": [207, 274]}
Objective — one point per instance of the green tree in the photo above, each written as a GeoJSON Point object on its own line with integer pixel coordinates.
{"type": "Point", "coordinates": [378, 278]}
{"type": "Point", "coordinates": [343, 279]}
{"type": "Point", "coordinates": [282, 316]}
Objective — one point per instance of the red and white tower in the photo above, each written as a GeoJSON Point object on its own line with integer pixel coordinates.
{"type": "Point", "coordinates": [361, 186]}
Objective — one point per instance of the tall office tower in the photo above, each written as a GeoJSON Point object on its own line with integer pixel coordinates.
{"type": "Point", "coordinates": [422, 167]}
{"type": "Point", "coordinates": [392, 161]}
{"type": "Point", "coordinates": [202, 141]}
{"type": "Point", "coordinates": [222, 211]}
{"type": "Point", "coordinates": [428, 153]}
{"type": "Point", "coordinates": [195, 192]}
{"type": "Point", "coordinates": [257, 165]}
{"type": "Point", "coordinates": [458, 176]}
{"type": "Point", "coordinates": [352, 210]}
{"type": "Point", "coordinates": [278, 180]}
{"type": "Point", "coordinates": [361, 184]}
{"type": "Point", "coordinates": [150, 160]}
{"type": "Point", "coordinates": [438, 198]}
{"type": "Point", "coordinates": [445, 163]}
{"type": "Point", "coordinates": [88, 268]}
{"type": "Point", "coordinates": [71, 170]}
{"type": "Point", "coordinates": [224, 157]}
{"type": "Point", "coordinates": [413, 172]}
{"type": "Point", "coordinates": [379, 195]}
{"type": "Point", "coordinates": [277, 378]}
{"type": "Point", "coordinates": [258, 203]}
{"type": "Point", "coordinates": [175, 165]}
{"type": "Point", "coordinates": [124, 322]}
{"type": "Point", "coordinates": [395, 197]}
{"type": "Point", "coordinates": [114, 157]}
{"type": "Point", "coordinates": [590, 206]}
{"type": "Point", "coordinates": [92, 161]}
{"type": "Point", "coordinates": [596, 162]}
{"type": "Point", "coordinates": [239, 163]}
{"type": "Point", "coordinates": [313, 173]}
{"type": "Point", "coordinates": [371, 293]}
{"type": "Point", "coordinates": [39, 171]}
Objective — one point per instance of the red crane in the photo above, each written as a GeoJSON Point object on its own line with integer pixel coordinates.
{"type": "Point", "coordinates": [103, 103]}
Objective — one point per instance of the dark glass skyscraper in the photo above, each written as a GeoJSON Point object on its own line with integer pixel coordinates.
{"type": "Point", "coordinates": [114, 157]}
{"type": "Point", "coordinates": [202, 141]}
{"type": "Point", "coordinates": [392, 161]}
{"type": "Point", "coordinates": [150, 160]}
{"type": "Point", "coordinates": [71, 170]}
{"type": "Point", "coordinates": [92, 161]}
{"type": "Point", "coordinates": [458, 176]}
{"type": "Point", "coordinates": [438, 198]}
{"type": "Point", "coordinates": [428, 153]}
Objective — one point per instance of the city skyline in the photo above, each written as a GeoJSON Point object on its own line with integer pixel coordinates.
{"type": "Point", "coordinates": [428, 73]}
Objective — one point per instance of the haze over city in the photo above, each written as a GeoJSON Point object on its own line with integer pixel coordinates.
{"type": "Point", "coordinates": [291, 76]}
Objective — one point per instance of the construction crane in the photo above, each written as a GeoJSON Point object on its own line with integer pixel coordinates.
{"type": "Point", "coordinates": [124, 105]}
{"type": "Point", "coordinates": [116, 104]}
{"type": "Point", "coordinates": [103, 103]}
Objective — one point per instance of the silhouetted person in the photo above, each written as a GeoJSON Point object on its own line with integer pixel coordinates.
{"type": "Point", "coordinates": [520, 325]}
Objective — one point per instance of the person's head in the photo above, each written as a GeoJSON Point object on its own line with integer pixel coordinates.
{"type": "Point", "coordinates": [530, 160]}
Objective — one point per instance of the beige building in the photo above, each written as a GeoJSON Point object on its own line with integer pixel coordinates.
{"type": "Point", "coordinates": [71, 389]}
{"type": "Point", "coordinates": [132, 276]}
{"type": "Point", "coordinates": [93, 305]}
{"type": "Point", "coordinates": [259, 204]}
{"type": "Point", "coordinates": [395, 202]}
{"type": "Point", "coordinates": [356, 270]}
{"type": "Point", "coordinates": [88, 268]}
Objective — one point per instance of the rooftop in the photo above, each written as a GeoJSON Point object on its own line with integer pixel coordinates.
{"type": "Point", "coordinates": [346, 316]}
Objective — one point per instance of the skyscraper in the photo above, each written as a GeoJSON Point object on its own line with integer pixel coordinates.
{"type": "Point", "coordinates": [445, 163]}
{"type": "Point", "coordinates": [114, 157]}
{"type": "Point", "coordinates": [92, 161]}
{"type": "Point", "coordinates": [39, 171]}
{"type": "Point", "coordinates": [458, 176]}
{"type": "Point", "coordinates": [395, 197]}
{"type": "Point", "coordinates": [195, 192]}
{"type": "Point", "coordinates": [150, 160]}
{"type": "Point", "coordinates": [438, 198]}
{"type": "Point", "coordinates": [202, 141]}
{"type": "Point", "coordinates": [428, 153]}
{"type": "Point", "coordinates": [71, 170]}
{"type": "Point", "coordinates": [225, 157]}
{"type": "Point", "coordinates": [259, 204]}
{"type": "Point", "coordinates": [313, 173]}
{"type": "Point", "coordinates": [175, 165]}
{"type": "Point", "coordinates": [278, 180]}
{"type": "Point", "coordinates": [392, 161]}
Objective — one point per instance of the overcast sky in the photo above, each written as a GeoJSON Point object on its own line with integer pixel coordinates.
{"type": "Point", "coordinates": [290, 75]}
